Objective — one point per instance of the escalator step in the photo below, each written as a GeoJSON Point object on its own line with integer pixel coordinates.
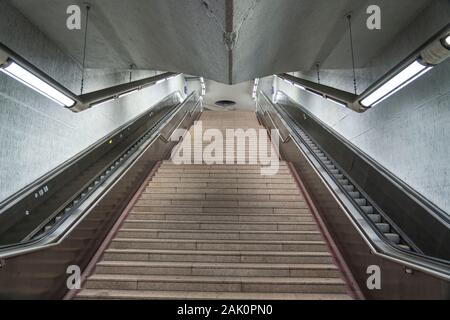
{"type": "Point", "coordinates": [383, 227]}
{"type": "Point", "coordinates": [349, 188]}
{"type": "Point", "coordinates": [375, 217]}
{"type": "Point", "coordinates": [404, 247]}
{"type": "Point", "coordinates": [339, 176]}
{"type": "Point", "coordinates": [354, 194]}
{"type": "Point", "coordinates": [393, 237]}
{"type": "Point", "coordinates": [367, 209]}
{"type": "Point", "coordinates": [343, 181]}
{"type": "Point", "coordinates": [361, 202]}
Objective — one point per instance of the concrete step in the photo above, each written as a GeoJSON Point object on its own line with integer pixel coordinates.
{"type": "Point", "coordinates": [168, 164]}
{"type": "Point", "coordinates": [217, 269]}
{"type": "Point", "coordinates": [217, 256]}
{"type": "Point", "coordinates": [222, 203]}
{"type": "Point", "coordinates": [217, 210]}
{"type": "Point", "coordinates": [181, 189]}
{"type": "Point", "coordinates": [219, 217]}
{"type": "Point", "coordinates": [219, 234]}
{"type": "Point", "coordinates": [238, 180]}
{"type": "Point", "coordinates": [203, 196]}
{"type": "Point", "coordinates": [227, 175]}
{"type": "Point", "coordinates": [192, 225]}
{"type": "Point", "coordinates": [227, 245]}
{"type": "Point", "coordinates": [97, 294]}
{"type": "Point", "coordinates": [212, 171]}
{"type": "Point", "coordinates": [216, 284]}
{"type": "Point", "coordinates": [218, 185]}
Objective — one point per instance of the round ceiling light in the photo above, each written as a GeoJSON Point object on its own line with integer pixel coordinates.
{"type": "Point", "coordinates": [225, 103]}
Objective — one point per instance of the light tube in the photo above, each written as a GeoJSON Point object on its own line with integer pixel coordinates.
{"type": "Point", "coordinates": [401, 80]}
{"type": "Point", "coordinates": [447, 41]}
{"type": "Point", "coordinates": [160, 81]}
{"type": "Point", "coordinates": [30, 80]}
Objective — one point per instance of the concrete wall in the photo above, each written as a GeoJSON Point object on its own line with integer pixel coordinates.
{"type": "Point", "coordinates": [36, 135]}
{"type": "Point", "coordinates": [408, 133]}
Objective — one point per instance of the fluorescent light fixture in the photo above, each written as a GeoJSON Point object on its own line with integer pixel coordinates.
{"type": "Point", "coordinates": [103, 102]}
{"type": "Point", "coordinates": [128, 93]}
{"type": "Point", "coordinates": [30, 80]}
{"type": "Point", "coordinates": [447, 41]}
{"type": "Point", "coordinates": [342, 104]}
{"type": "Point", "coordinates": [160, 81]}
{"type": "Point", "coordinates": [401, 80]}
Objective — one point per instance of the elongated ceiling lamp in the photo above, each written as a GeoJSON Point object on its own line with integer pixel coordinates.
{"type": "Point", "coordinates": [429, 55]}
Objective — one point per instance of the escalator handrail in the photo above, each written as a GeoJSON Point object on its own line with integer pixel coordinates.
{"type": "Point", "coordinates": [24, 192]}
{"type": "Point", "coordinates": [168, 137]}
{"type": "Point", "coordinates": [56, 235]}
{"type": "Point", "coordinates": [378, 245]}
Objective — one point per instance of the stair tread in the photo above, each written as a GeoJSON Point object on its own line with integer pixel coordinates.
{"type": "Point", "coordinates": [122, 239]}
{"type": "Point", "coordinates": [221, 214]}
{"type": "Point", "coordinates": [220, 252]}
{"type": "Point", "coordinates": [227, 279]}
{"type": "Point", "coordinates": [143, 294]}
{"type": "Point", "coordinates": [221, 231]}
{"type": "Point", "coordinates": [222, 222]}
{"type": "Point", "coordinates": [319, 266]}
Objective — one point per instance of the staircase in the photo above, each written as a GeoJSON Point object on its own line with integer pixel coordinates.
{"type": "Point", "coordinates": [218, 231]}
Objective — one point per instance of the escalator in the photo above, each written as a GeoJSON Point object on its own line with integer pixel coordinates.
{"type": "Point", "coordinates": [139, 225]}
{"type": "Point", "coordinates": [61, 219]}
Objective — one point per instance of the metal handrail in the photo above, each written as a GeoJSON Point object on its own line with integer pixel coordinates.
{"type": "Point", "coordinates": [187, 113]}
{"type": "Point", "coordinates": [55, 236]}
{"type": "Point", "coordinates": [267, 113]}
{"type": "Point", "coordinates": [378, 245]}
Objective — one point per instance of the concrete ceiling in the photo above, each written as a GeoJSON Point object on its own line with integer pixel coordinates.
{"type": "Point", "coordinates": [229, 41]}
